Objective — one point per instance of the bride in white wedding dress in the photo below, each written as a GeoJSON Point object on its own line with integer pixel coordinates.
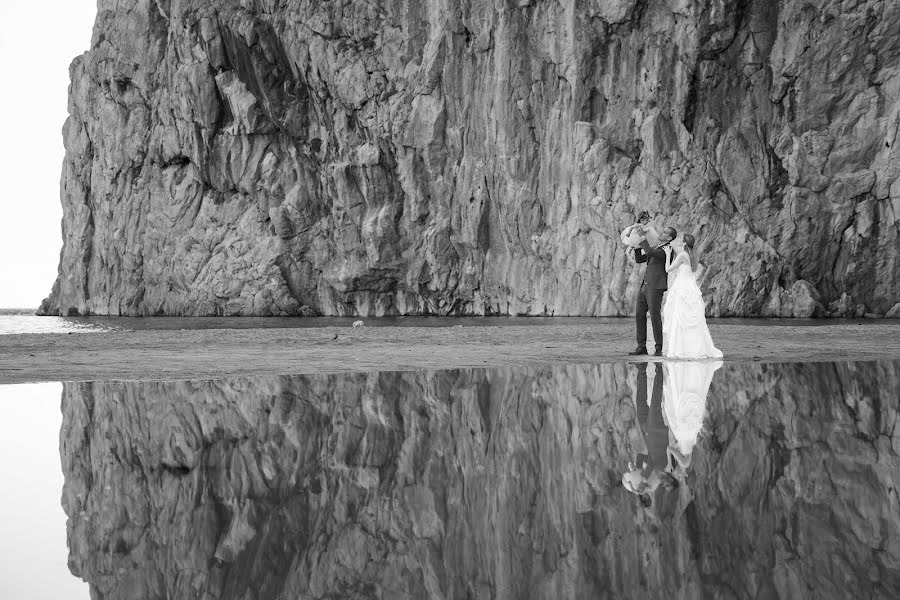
{"type": "Point", "coordinates": [685, 333]}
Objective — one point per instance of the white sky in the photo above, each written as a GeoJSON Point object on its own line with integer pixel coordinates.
{"type": "Point", "coordinates": [36, 47]}
{"type": "Point", "coordinates": [33, 552]}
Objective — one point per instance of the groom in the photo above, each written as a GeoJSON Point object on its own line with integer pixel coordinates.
{"type": "Point", "coordinates": [656, 281]}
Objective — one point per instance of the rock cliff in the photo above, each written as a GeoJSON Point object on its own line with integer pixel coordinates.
{"type": "Point", "coordinates": [282, 157]}
{"type": "Point", "coordinates": [482, 484]}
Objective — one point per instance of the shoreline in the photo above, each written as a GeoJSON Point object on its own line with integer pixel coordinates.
{"type": "Point", "coordinates": [218, 353]}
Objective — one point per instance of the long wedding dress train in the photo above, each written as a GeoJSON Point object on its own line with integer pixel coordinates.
{"type": "Point", "coordinates": [685, 333]}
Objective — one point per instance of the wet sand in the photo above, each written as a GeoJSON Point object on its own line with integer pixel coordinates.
{"type": "Point", "coordinates": [148, 355]}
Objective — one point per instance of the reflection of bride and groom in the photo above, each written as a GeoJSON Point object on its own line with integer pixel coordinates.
{"type": "Point", "coordinates": [671, 423]}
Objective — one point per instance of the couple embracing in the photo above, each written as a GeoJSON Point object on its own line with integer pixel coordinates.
{"type": "Point", "coordinates": [679, 319]}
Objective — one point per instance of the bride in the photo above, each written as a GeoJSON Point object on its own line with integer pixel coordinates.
{"type": "Point", "coordinates": [685, 334]}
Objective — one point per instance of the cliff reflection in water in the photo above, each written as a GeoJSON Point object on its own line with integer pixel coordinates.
{"type": "Point", "coordinates": [497, 483]}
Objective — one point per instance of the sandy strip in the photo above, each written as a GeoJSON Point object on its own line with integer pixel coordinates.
{"type": "Point", "coordinates": [221, 353]}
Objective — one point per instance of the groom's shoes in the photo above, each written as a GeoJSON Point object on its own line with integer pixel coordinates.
{"type": "Point", "coordinates": [657, 353]}
{"type": "Point", "coordinates": [638, 352]}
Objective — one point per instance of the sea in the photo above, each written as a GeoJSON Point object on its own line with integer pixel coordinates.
{"type": "Point", "coordinates": [23, 321]}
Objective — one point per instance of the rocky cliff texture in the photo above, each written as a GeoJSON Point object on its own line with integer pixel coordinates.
{"type": "Point", "coordinates": [481, 484]}
{"type": "Point", "coordinates": [280, 157]}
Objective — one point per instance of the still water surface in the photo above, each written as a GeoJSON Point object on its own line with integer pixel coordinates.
{"type": "Point", "coordinates": [667, 480]}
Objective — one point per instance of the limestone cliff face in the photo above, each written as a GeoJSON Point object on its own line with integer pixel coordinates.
{"type": "Point", "coordinates": [280, 157]}
{"type": "Point", "coordinates": [481, 484]}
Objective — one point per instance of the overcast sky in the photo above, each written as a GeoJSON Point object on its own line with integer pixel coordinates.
{"type": "Point", "coordinates": [36, 47]}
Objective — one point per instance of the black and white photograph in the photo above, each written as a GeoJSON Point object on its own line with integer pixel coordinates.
{"type": "Point", "coordinates": [450, 299]}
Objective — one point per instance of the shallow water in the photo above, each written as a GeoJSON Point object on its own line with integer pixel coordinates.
{"type": "Point", "coordinates": [763, 481]}
{"type": "Point", "coordinates": [14, 322]}
{"type": "Point", "coordinates": [33, 555]}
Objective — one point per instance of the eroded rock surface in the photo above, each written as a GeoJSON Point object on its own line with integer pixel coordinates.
{"type": "Point", "coordinates": [281, 157]}
{"type": "Point", "coordinates": [481, 483]}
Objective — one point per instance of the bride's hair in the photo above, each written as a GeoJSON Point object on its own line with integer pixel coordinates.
{"type": "Point", "coordinates": [689, 244]}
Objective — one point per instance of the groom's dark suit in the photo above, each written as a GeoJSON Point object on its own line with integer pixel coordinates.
{"type": "Point", "coordinates": [656, 282]}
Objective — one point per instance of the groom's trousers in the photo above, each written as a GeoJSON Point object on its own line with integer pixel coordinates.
{"type": "Point", "coordinates": [656, 432]}
{"type": "Point", "coordinates": [649, 300]}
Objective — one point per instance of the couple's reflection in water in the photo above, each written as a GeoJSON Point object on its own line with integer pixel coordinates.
{"type": "Point", "coordinates": [671, 420]}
